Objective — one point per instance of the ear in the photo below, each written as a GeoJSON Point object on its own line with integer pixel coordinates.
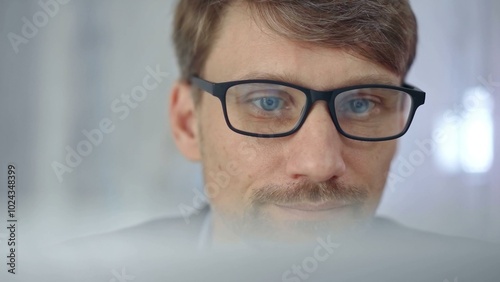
{"type": "Point", "coordinates": [183, 121]}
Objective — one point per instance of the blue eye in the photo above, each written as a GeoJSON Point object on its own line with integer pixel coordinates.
{"type": "Point", "coordinates": [269, 103]}
{"type": "Point", "coordinates": [360, 106]}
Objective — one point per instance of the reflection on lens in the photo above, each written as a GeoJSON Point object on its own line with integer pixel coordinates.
{"type": "Point", "coordinates": [270, 109]}
{"type": "Point", "coordinates": [264, 108]}
{"type": "Point", "coordinates": [373, 112]}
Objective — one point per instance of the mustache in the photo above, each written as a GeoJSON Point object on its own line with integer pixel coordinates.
{"type": "Point", "coordinates": [306, 191]}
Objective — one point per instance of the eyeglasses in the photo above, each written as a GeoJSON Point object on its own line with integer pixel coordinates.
{"type": "Point", "coordinates": [270, 109]}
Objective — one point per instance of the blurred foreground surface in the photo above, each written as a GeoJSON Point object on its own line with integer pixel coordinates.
{"type": "Point", "coordinates": [321, 262]}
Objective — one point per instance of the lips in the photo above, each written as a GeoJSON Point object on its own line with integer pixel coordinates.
{"type": "Point", "coordinates": [311, 211]}
{"type": "Point", "coordinates": [314, 207]}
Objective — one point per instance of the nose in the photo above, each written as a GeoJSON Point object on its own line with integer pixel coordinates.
{"type": "Point", "coordinates": [315, 151]}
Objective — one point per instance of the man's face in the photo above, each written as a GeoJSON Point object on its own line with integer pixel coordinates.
{"type": "Point", "coordinates": [314, 180]}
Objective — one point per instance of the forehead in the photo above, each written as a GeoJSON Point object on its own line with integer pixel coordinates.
{"type": "Point", "coordinates": [245, 48]}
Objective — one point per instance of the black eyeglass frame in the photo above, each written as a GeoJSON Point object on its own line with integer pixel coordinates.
{"type": "Point", "coordinates": [219, 90]}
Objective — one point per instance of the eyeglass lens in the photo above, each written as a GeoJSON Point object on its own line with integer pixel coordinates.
{"type": "Point", "coordinates": [265, 108]}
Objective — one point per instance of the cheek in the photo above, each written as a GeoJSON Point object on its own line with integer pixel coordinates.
{"type": "Point", "coordinates": [370, 163]}
{"type": "Point", "coordinates": [232, 162]}
{"type": "Point", "coordinates": [234, 165]}
{"type": "Point", "coordinates": [228, 175]}
{"type": "Point", "coordinates": [227, 160]}
{"type": "Point", "coordinates": [368, 166]}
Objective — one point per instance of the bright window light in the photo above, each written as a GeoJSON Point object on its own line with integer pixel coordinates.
{"type": "Point", "coordinates": [446, 155]}
{"type": "Point", "coordinates": [476, 140]}
{"type": "Point", "coordinates": [468, 134]}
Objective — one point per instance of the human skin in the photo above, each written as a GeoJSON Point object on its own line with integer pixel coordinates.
{"type": "Point", "coordinates": [237, 167]}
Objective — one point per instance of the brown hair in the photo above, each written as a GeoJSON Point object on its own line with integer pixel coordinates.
{"type": "Point", "coordinates": [383, 31]}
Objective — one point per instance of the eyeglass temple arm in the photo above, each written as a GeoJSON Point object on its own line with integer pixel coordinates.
{"type": "Point", "coordinates": [203, 84]}
{"type": "Point", "coordinates": [420, 99]}
{"type": "Point", "coordinates": [406, 85]}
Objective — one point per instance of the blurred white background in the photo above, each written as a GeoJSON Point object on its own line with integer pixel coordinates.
{"type": "Point", "coordinates": [66, 75]}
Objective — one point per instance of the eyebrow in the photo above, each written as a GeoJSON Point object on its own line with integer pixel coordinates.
{"type": "Point", "coordinates": [270, 76]}
{"type": "Point", "coordinates": [285, 77]}
{"type": "Point", "coordinates": [370, 79]}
